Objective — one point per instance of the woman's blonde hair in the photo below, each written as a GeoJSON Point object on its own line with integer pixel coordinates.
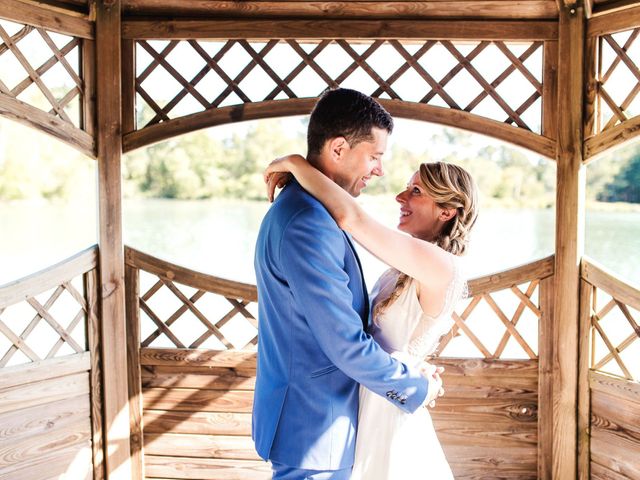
{"type": "Point", "coordinates": [450, 186]}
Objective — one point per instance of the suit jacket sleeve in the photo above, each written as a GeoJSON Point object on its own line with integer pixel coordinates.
{"type": "Point", "coordinates": [312, 255]}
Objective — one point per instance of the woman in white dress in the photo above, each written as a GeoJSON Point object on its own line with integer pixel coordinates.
{"type": "Point", "coordinates": [412, 302]}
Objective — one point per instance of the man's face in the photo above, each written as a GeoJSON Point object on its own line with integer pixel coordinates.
{"type": "Point", "coordinates": [358, 164]}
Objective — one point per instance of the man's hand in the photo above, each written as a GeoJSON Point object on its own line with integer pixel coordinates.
{"type": "Point", "coordinates": [432, 374]}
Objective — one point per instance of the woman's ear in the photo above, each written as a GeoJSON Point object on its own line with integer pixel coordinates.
{"type": "Point", "coordinates": [447, 214]}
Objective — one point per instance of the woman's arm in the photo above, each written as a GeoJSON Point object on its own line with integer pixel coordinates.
{"type": "Point", "coordinates": [427, 263]}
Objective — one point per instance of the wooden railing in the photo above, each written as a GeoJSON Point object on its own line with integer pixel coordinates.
{"type": "Point", "coordinates": [609, 408]}
{"type": "Point", "coordinates": [50, 402]}
{"type": "Point", "coordinates": [191, 406]}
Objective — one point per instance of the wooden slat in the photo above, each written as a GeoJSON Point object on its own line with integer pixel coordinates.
{"type": "Point", "coordinates": [491, 435]}
{"type": "Point", "coordinates": [21, 451]}
{"type": "Point", "coordinates": [569, 239]}
{"type": "Point", "coordinates": [202, 358]}
{"type": "Point", "coordinates": [584, 330]}
{"type": "Point", "coordinates": [328, 29]}
{"type": "Point", "coordinates": [206, 468]}
{"type": "Point", "coordinates": [550, 90]}
{"type": "Point", "coordinates": [132, 296]}
{"type": "Point", "coordinates": [545, 378]}
{"type": "Point", "coordinates": [615, 136]}
{"type": "Point", "coordinates": [40, 15]}
{"type": "Point", "coordinates": [598, 276]}
{"type": "Point", "coordinates": [472, 368]}
{"type": "Point", "coordinates": [41, 419]}
{"type": "Point", "coordinates": [600, 472]}
{"type": "Point", "coordinates": [505, 410]}
{"type": "Point", "coordinates": [209, 378]}
{"type": "Point", "coordinates": [609, 411]}
{"type": "Point", "coordinates": [499, 281]}
{"type": "Point", "coordinates": [529, 9]}
{"type": "Point", "coordinates": [471, 462]}
{"type": "Point", "coordinates": [616, 451]}
{"type": "Point", "coordinates": [113, 325]}
{"type": "Point", "coordinates": [303, 106]}
{"type": "Point", "coordinates": [44, 370]}
{"type": "Point", "coordinates": [591, 85]}
{"type": "Point", "coordinates": [614, 22]}
{"type": "Point", "coordinates": [204, 423]}
{"type": "Point", "coordinates": [618, 387]}
{"type": "Point", "coordinates": [204, 446]}
{"type": "Point", "coordinates": [71, 463]}
{"type": "Point", "coordinates": [128, 86]}
{"type": "Point", "coordinates": [88, 74]}
{"type": "Point", "coordinates": [91, 284]}
{"type": "Point", "coordinates": [187, 399]}
{"type": "Point", "coordinates": [189, 277]}
{"type": "Point", "coordinates": [43, 392]}
{"type": "Point", "coordinates": [49, 278]}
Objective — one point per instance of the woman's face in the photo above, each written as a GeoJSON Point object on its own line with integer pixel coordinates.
{"type": "Point", "coordinates": [420, 217]}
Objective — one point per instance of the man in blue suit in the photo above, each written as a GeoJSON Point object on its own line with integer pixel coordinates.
{"type": "Point", "coordinates": [313, 349]}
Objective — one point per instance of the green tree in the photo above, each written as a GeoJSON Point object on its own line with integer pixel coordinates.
{"type": "Point", "coordinates": [625, 186]}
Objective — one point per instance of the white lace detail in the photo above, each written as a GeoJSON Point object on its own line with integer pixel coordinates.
{"type": "Point", "coordinates": [429, 330]}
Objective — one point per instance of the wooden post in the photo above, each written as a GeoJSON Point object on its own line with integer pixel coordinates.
{"type": "Point", "coordinates": [545, 378]}
{"type": "Point", "coordinates": [114, 346]}
{"type": "Point", "coordinates": [584, 401]}
{"type": "Point", "coordinates": [569, 239]}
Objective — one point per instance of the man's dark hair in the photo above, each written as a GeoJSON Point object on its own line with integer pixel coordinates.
{"type": "Point", "coordinates": [344, 113]}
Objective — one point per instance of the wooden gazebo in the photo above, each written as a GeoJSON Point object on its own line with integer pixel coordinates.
{"type": "Point", "coordinates": [121, 408]}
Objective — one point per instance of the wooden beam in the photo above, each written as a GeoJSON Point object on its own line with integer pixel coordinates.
{"type": "Point", "coordinates": [545, 379]}
{"type": "Point", "coordinates": [569, 240]}
{"type": "Point", "coordinates": [550, 91]}
{"type": "Point", "coordinates": [591, 86]}
{"type": "Point", "coordinates": [114, 347]}
{"type": "Point", "coordinates": [610, 6]}
{"type": "Point", "coordinates": [302, 106]}
{"type": "Point", "coordinates": [612, 137]}
{"type": "Point", "coordinates": [584, 407]}
{"type": "Point", "coordinates": [51, 18]}
{"type": "Point", "coordinates": [526, 9]}
{"type": "Point", "coordinates": [330, 29]}
{"type": "Point", "coordinates": [613, 22]}
{"type": "Point", "coordinates": [598, 276]}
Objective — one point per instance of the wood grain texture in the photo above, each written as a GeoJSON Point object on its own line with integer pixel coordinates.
{"type": "Point", "coordinates": [329, 29]}
{"type": "Point", "coordinates": [203, 446]}
{"type": "Point", "coordinates": [189, 400]}
{"type": "Point", "coordinates": [43, 392]}
{"type": "Point", "coordinates": [584, 349]}
{"type": "Point", "coordinates": [489, 9]}
{"type": "Point", "coordinates": [206, 468]}
{"type": "Point", "coordinates": [44, 369]}
{"type": "Point", "coordinates": [203, 423]}
{"type": "Point", "coordinates": [113, 325]}
{"type": "Point", "coordinates": [545, 378]}
{"type": "Point", "coordinates": [203, 358]}
{"type": "Point", "coordinates": [48, 278]}
{"type": "Point", "coordinates": [499, 281]}
{"type": "Point", "coordinates": [569, 240]}
{"type": "Point", "coordinates": [208, 378]}
{"type": "Point", "coordinates": [600, 277]}
{"type": "Point", "coordinates": [39, 15]}
{"type": "Point", "coordinates": [194, 279]}
{"type": "Point", "coordinates": [619, 387]}
{"type": "Point", "coordinates": [615, 21]}
{"type": "Point", "coordinates": [70, 463]}
{"type": "Point", "coordinates": [613, 137]}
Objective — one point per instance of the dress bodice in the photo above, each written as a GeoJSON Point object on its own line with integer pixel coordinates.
{"type": "Point", "coordinates": [403, 326]}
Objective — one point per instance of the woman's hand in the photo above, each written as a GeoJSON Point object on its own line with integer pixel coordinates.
{"type": "Point", "coordinates": [278, 173]}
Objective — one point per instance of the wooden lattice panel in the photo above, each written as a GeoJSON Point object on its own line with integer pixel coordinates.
{"type": "Point", "coordinates": [497, 80]}
{"type": "Point", "coordinates": [41, 69]}
{"type": "Point", "coordinates": [175, 315]}
{"type": "Point", "coordinates": [502, 324]}
{"type": "Point", "coordinates": [44, 326]}
{"type": "Point", "coordinates": [614, 335]}
{"type": "Point", "coordinates": [617, 79]}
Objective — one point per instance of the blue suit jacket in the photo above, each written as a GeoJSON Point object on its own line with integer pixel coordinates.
{"type": "Point", "coordinates": [312, 350]}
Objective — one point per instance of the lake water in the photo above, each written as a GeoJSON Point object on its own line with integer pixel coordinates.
{"type": "Point", "coordinates": [217, 236]}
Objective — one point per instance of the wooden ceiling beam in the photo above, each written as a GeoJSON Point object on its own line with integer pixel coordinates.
{"type": "Point", "coordinates": [333, 29]}
{"type": "Point", "coordinates": [484, 9]}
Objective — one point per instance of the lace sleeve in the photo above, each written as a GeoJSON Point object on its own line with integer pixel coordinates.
{"type": "Point", "coordinates": [430, 330]}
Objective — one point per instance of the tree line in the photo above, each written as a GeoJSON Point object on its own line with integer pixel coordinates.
{"type": "Point", "coordinates": [201, 166]}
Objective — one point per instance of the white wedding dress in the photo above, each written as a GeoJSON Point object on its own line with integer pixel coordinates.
{"type": "Point", "coordinates": [392, 444]}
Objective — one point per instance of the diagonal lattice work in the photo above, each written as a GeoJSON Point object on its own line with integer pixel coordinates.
{"type": "Point", "coordinates": [497, 80]}
{"type": "Point", "coordinates": [41, 69]}
{"type": "Point", "coordinates": [614, 332]}
{"type": "Point", "coordinates": [617, 79]}
{"type": "Point", "coordinates": [44, 326]}
{"type": "Point", "coordinates": [174, 315]}
{"type": "Point", "coordinates": [502, 324]}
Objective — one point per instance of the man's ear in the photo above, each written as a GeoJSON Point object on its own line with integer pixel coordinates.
{"type": "Point", "coordinates": [337, 148]}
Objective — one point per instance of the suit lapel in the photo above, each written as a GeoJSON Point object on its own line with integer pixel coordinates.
{"type": "Point", "coordinates": [365, 317]}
